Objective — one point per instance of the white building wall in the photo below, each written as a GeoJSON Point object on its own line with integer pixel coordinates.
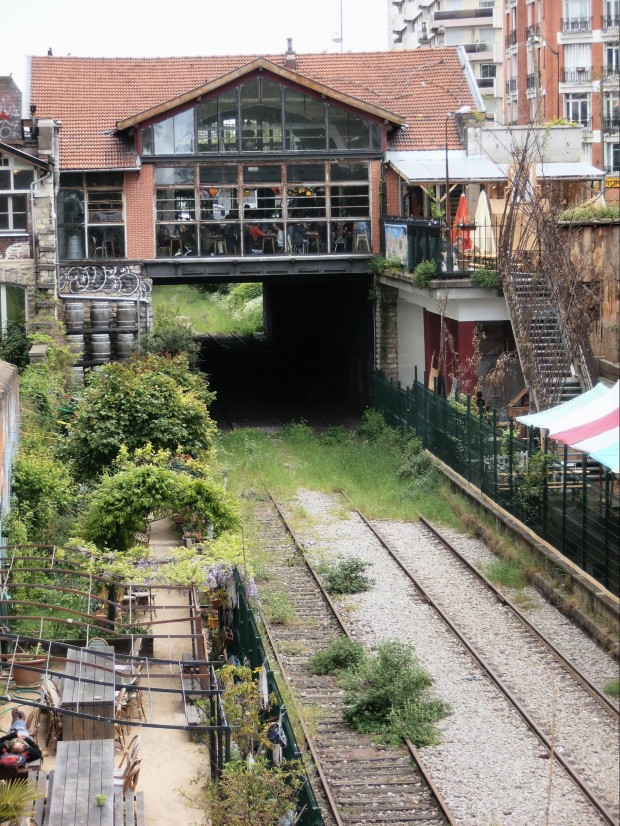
{"type": "Point", "coordinates": [410, 342]}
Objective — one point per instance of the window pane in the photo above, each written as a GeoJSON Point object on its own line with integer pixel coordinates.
{"type": "Point", "coordinates": [338, 128]}
{"type": "Point", "coordinates": [315, 124]}
{"type": "Point", "coordinates": [20, 217]}
{"type": "Point", "coordinates": [217, 203]}
{"type": "Point", "coordinates": [271, 116]}
{"type": "Point", "coordinates": [175, 205]}
{"type": "Point", "coordinates": [104, 179]}
{"type": "Point", "coordinates": [305, 173]}
{"type": "Point", "coordinates": [146, 139]}
{"type": "Point", "coordinates": [15, 304]}
{"type": "Point", "coordinates": [22, 178]}
{"type": "Point", "coordinates": [4, 211]}
{"type": "Point", "coordinates": [349, 171]}
{"type": "Point", "coordinates": [184, 133]}
{"type": "Point", "coordinates": [228, 118]}
{"type": "Point", "coordinates": [260, 174]}
{"type": "Point", "coordinates": [164, 137]}
{"type": "Point", "coordinates": [218, 174]}
{"type": "Point", "coordinates": [206, 124]}
{"type": "Point", "coordinates": [106, 242]}
{"type": "Point", "coordinates": [174, 175]}
{"type": "Point", "coordinates": [71, 179]}
{"type": "Point", "coordinates": [71, 206]}
{"type": "Point", "coordinates": [5, 179]}
{"type": "Point", "coordinates": [295, 120]}
{"type": "Point", "coordinates": [350, 200]}
{"type": "Point", "coordinates": [105, 206]}
{"type": "Point", "coordinates": [358, 133]}
{"type": "Point", "coordinates": [375, 136]}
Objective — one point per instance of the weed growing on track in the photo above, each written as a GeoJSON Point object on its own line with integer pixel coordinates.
{"type": "Point", "coordinates": [613, 688]}
{"type": "Point", "coordinates": [506, 572]}
{"type": "Point", "coordinates": [345, 576]}
{"type": "Point", "coordinates": [278, 609]}
{"type": "Point", "coordinates": [342, 653]}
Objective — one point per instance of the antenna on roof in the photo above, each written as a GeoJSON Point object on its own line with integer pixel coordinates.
{"type": "Point", "coordinates": [49, 51]}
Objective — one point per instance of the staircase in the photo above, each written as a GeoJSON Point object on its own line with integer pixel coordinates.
{"type": "Point", "coordinates": [555, 368]}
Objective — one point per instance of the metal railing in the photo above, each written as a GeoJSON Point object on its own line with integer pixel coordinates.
{"type": "Point", "coordinates": [576, 24]}
{"type": "Point", "coordinates": [249, 645]}
{"type": "Point", "coordinates": [567, 500]}
{"type": "Point", "coordinates": [610, 22]}
{"type": "Point", "coordinates": [611, 123]}
{"type": "Point", "coordinates": [580, 75]}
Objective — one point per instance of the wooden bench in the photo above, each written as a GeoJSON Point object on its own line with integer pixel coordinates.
{"type": "Point", "coordinates": [129, 809]}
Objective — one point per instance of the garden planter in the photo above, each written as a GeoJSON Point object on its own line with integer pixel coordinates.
{"type": "Point", "coordinates": [25, 677]}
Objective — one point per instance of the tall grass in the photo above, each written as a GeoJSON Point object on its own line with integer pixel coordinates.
{"type": "Point", "coordinates": [368, 468]}
{"type": "Point", "coordinates": [216, 312]}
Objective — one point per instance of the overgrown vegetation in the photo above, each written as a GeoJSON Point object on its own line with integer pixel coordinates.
{"type": "Point", "coordinates": [342, 653]}
{"type": "Point", "coordinates": [613, 688]}
{"type": "Point", "coordinates": [591, 212]}
{"type": "Point", "coordinates": [234, 308]}
{"type": "Point", "coordinates": [485, 278]}
{"type": "Point", "coordinates": [345, 576]}
{"type": "Point", "coordinates": [506, 572]}
{"type": "Point", "coordinates": [424, 273]}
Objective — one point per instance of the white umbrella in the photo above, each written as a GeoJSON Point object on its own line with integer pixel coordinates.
{"type": "Point", "coordinates": [484, 237]}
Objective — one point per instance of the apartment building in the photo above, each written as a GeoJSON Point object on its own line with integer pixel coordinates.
{"type": "Point", "coordinates": [562, 61]}
{"type": "Point", "coordinates": [476, 25]}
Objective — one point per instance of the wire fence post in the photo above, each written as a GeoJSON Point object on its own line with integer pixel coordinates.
{"type": "Point", "coordinates": [495, 454]}
{"type": "Point", "coordinates": [564, 485]}
{"type": "Point", "coordinates": [511, 434]}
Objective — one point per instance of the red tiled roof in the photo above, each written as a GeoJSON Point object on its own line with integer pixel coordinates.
{"type": "Point", "coordinates": [88, 95]}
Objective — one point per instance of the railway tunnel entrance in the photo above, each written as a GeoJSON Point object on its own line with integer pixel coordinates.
{"type": "Point", "coordinates": [311, 363]}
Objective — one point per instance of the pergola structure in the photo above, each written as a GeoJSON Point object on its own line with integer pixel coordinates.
{"type": "Point", "coordinates": [113, 658]}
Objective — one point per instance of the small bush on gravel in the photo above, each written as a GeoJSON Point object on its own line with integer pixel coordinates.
{"type": "Point", "coordinates": [341, 654]}
{"type": "Point", "coordinates": [388, 696]}
{"type": "Point", "coordinates": [612, 688]}
{"type": "Point", "coordinates": [346, 576]}
{"type": "Point", "coordinates": [278, 609]}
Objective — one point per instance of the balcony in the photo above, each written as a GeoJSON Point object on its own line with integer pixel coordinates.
{"type": "Point", "coordinates": [530, 82]}
{"type": "Point", "coordinates": [610, 22]}
{"type": "Point", "coordinates": [473, 48]}
{"type": "Point", "coordinates": [575, 25]}
{"type": "Point", "coordinates": [486, 82]}
{"type": "Point", "coordinates": [610, 74]}
{"type": "Point", "coordinates": [462, 14]}
{"type": "Point", "coordinates": [511, 39]}
{"type": "Point", "coordinates": [533, 31]}
{"type": "Point", "coordinates": [578, 75]}
{"type": "Point", "coordinates": [611, 123]}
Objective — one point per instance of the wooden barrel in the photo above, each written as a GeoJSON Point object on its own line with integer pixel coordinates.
{"type": "Point", "coordinates": [100, 348]}
{"type": "Point", "coordinates": [100, 314]}
{"type": "Point", "coordinates": [125, 314]}
{"type": "Point", "coordinates": [77, 345]}
{"type": "Point", "coordinates": [124, 343]}
{"type": "Point", "coordinates": [73, 313]}
{"type": "Point", "coordinates": [78, 375]}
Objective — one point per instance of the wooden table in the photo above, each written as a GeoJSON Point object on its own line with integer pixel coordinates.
{"type": "Point", "coordinates": [93, 698]}
{"type": "Point", "coordinates": [84, 768]}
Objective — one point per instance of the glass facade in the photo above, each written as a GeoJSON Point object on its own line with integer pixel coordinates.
{"type": "Point", "coordinates": [262, 208]}
{"type": "Point", "coordinates": [91, 215]}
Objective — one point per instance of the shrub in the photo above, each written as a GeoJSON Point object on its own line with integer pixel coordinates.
{"type": "Point", "coordinates": [341, 654]}
{"type": "Point", "coordinates": [388, 696]}
{"type": "Point", "coordinates": [374, 428]}
{"type": "Point", "coordinates": [171, 336]}
{"type": "Point", "coordinates": [346, 576]}
{"type": "Point", "coordinates": [380, 265]}
{"type": "Point", "coordinates": [279, 610]}
{"type": "Point", "coordinates": [424, 273]}
{"type": "Point", "coordinates": [485, 278]}
{"type": "Point", "coordinates": [14, 345]}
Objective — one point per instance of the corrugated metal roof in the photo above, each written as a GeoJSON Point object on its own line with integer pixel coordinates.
{"type": "Point", "coordinates": [429, 166]}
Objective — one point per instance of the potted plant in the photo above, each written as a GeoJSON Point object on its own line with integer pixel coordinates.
{"type": "Point", "coordinates": [16, 798]}
{"type": "Point", "coordinates": [34, 662]}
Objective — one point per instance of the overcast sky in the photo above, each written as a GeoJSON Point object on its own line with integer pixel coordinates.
{"type": "Point", "coordinates": [136, 28]}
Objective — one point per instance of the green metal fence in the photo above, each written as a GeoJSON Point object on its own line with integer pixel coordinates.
{"type": "Point", "coordinates": [557, 498]}
{"type": "Point", "coordinates": [249, 645]}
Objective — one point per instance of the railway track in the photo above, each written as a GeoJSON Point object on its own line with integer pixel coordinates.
{"type": "Point", "coordinates": [361, 782]}
{"type": "Point", "coordinates": [578, 760]}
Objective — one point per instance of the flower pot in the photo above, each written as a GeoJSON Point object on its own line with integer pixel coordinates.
{"type": "Point", "coordinates": [23, 676]}
{"type": "Point", "coordinates": [101, 799]}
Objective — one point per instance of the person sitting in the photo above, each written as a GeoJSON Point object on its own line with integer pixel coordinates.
{"type": "Point", "coordinates": [18, 740]}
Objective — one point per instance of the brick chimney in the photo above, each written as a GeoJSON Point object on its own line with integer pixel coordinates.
{"type": "Point", "coordinates": [289, 54]}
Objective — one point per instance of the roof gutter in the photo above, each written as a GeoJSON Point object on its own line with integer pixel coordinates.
{"type": "Point", "coordinates": [470, 79]}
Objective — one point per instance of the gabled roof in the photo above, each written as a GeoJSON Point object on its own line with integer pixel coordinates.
{"type": "Point", "coordinates": [90, 96]}
{"type": "Point", "coordinates": [260, 64]}
{"type": "Point", "coordinates": [9, 149]}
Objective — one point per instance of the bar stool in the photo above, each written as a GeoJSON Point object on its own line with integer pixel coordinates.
{"type": "Point", "coordinates": [312, 238]}
{"type": "Point", "coordinates": [269, 240]}
{"type": "Point", "coordinates": [361, 237]}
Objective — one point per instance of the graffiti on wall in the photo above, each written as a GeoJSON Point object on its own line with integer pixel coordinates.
{"type": "Point", "coordinates": [99, 278]}
{"type": "Point", "coordinates": [10, 111]}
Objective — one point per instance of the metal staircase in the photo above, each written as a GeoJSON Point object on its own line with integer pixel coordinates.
{"type": "Point", "coordinates": [555, 368]}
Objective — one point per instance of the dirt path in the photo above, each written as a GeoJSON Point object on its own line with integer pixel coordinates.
{"type": "Point", "coordinates": [171, 759]}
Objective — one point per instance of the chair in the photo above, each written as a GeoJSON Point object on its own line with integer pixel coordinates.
{"type": "Point", "coordinates": [54, 701]}
{"type": "Point", "coordinates": [312, 239]}
{"type": "Point", "coordinates": [97, 642]}
{"type": "Point", "coordinates": [269, 240]}
{"type": "Point", "coordinates": [130, 779]}
{"type": "Point", "coordinates": [130, 754]}
{"type": "Point", "coordinates": [32, 723]}
{"type": "Point", "coordinates": [360, 236]}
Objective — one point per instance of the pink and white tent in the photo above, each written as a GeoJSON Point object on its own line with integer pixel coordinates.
{"type": "Point", "coordinates": [590, 423]}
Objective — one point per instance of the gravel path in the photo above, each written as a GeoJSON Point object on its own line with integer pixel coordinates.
{"type": "Point", "coordinates": [489, 767]}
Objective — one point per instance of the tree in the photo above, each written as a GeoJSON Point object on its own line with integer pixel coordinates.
{"type": "Point", "coordinates": [152, 399]}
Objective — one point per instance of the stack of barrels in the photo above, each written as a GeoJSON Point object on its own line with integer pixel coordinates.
{"type": "Point", "coordinates": [102, 330]}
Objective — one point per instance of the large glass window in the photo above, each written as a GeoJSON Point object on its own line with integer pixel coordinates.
{"type": "Point", "coordinates": [91, 216]}
{"type": "Point", "coordinates": [577, 108]}
{"type": "Point", "coordinates": [15, 180]}
{"type": "Point", "coordinates": [263, 209]}
{"type": "Point", "coordinates": [260, 116]}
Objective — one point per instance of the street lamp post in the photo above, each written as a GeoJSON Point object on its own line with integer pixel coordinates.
{"type": "Point", "coordinates": [449, 255]}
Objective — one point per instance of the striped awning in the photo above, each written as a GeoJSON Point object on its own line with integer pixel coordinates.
{"type": "Point", "coordinates": [590, 423]}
